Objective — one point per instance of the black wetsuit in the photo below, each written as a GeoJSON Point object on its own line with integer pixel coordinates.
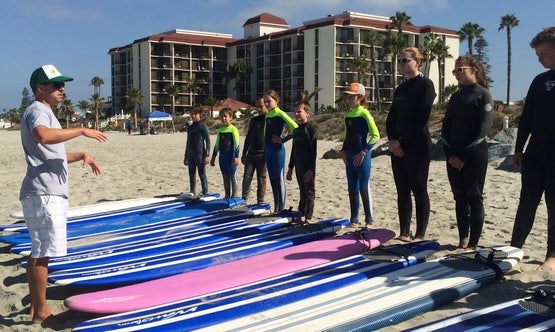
{"type": "Point", "coordinates": [407, 122]}
{"type": "Point", "coordinates": [467, 121]}
{"type": "Point", "coordinates": [196, 149]}
{"type": "Point", "coordinates": [303, 159]}
{"type": "Point", "coordinates": [537, 124]}
{"type": "Point", "coordinates": [254, 159]}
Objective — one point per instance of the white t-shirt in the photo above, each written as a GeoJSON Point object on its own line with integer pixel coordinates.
{"type": "Point", "coordinates": [46, 163]}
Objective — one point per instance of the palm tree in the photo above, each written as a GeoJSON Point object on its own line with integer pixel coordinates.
{"type": "Point", "coordinates": [173, 91]}
{"type": "Point", "coordinates": [67, 110]}
{"type": "Point", "coordinates": [359, 65]}
{"type": "Point", "coordinates": [162, 100]}
{"type": "Point", "coordinates": [394, 44]}
{"type": "Point", "coordinates": [212, 102]}
{"type": "Point", "coordinates": [240, 71]}
{"type": "Point", "coordinates": [374, 38]}
{"type": "Point", "coordinates": [135, 97]}
{"type": "Point", "coordinates": [96, 106]}
{"type": "Point", "coordinates": [96, 82]}
{"type": "Point", "coordinates": [307, 96]}
{"type": "Point", "coordinates": [399, 19]}
{"type": "Point", "coordinates": [508, 22]}
{"type": "Point", "coordinates": [437, 49]}
{"type": "Point", "coordinates": [192, 86]}
{"type": "Point", "coordinates": [469, 31]}
{"type": "Point", "coordinates": [83, 105]}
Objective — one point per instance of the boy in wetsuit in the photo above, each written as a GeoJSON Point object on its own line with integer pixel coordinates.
{"type": "Point", "coordinates": [227, 144]}
{"type": "Point", "coordinates": [303, 159]}
{"type": "Point", "coordinates": [197, 149]}
{"type": "Point", "coordinates": [253, 154]}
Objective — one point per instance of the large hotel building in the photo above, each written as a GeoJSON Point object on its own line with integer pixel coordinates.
{"type": "Point", "coordinates": [289, 60]}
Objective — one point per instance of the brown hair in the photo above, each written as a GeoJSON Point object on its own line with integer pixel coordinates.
{"type": "Point", "coordinates": [226, 111]}
{"type": "Point", "coordinates": [471, 61]}
{"type": "Point", "coordinates": [197, 109]}
{"type": "Point", "coordinates": [302, 105]}
{"type": "Point", "coordinates": [273, 94]}
{"type": "Point", "coordinates": [547, 35]}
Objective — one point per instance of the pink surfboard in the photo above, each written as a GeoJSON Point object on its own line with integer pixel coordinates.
{"type": "Point", "coordinates": [227, 275]}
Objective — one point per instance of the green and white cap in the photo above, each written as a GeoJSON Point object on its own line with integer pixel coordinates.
{"type": "Point", "coordinates": [47, 74]}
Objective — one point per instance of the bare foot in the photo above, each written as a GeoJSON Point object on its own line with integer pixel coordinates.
{"type": "Point", "coordinates": [404, 238]}
{"type": "Point", "coordinates": [368, 226]}
{"type": "Point", "coordinates": [417, 239]}
{"type": "Point", "coordinates": [40, 319]}
{"type": "Point", "coordinates": [548, 265]}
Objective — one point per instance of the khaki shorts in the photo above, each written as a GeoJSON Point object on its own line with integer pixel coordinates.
{"type": "Point", "coordinates": [46, 219]}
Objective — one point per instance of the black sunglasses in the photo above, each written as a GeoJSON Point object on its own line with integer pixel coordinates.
{"type": "Point", "coordinates": [57, 85]}
{"type": "Point", "coordinates": [405, 60]}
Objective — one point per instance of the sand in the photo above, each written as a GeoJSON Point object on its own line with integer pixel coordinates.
{"type": "Point", "coordinates": [143, 166]}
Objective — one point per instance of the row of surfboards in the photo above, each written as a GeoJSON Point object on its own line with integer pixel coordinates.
{"type": "Point", "coordinates": [205, 263]}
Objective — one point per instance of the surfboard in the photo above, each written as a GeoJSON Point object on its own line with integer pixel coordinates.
{"type": "Point", "coordinates": [100, 226]}
{"type": "Point", "coordinates": [118, 238]}
{"type": "Point", "coordinates": [232, 274]}
{"type": "Point", "coordinates": [533, 313]}
{"type": "Point", "coordinates": [212, 308]}
{"type": "Point", "coordinates": [119, 208]}
{"type": "Point", "coordinates": [137, 270]}
{"type": "Point", "coordinates": [383, 300]}
{"type": "Point", "coordinates": [172, 241]}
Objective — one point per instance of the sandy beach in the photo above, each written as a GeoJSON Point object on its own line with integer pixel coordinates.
{"type": "Point", "coordinates": [143, 166]}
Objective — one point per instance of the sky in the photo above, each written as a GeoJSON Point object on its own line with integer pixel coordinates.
{"type": "Point", "coordinates": [76, 35]}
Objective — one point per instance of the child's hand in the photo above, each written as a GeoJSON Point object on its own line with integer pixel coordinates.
{"type": "Point", "coordinates": [213, 162]}
{"type": "Point", "coordinates": [289, 175]}
{"type": "Point", "coordinates": [206, 160]}
{"type": "Point", "coordinates": [277, 139]}
{"type": "Point", "coordinates": [235, 161]}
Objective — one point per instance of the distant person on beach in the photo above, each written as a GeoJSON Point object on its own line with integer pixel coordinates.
{"type": "Point", "coordinates": [303, 160]}
{"type": "Point", "coordinates": [45, 191]}
{"type": "Point", "coordinates": [409, 142]}
{"type": "Point", "coordinates": [361, 133]}
{"type": "Point", "coordinates": [129, 127]}
{"type": "Point", "coordinates": [468, 119]}
{"type": "Point", "coordinates": [253, 154]}
{"type": "Point", "coordinates": [536, 126]}
{"type": "Point", "coordinates": [197, 150]}
{"type": "Point", "coordinates": [227, 146]}
{"type": "Point", "coordinates": [274, 126]}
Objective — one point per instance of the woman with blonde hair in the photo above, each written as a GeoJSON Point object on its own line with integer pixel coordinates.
{"type": "Point", "coordinates": [409, 142]}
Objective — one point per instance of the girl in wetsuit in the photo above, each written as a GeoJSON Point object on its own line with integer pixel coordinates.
{"type": "Point", "coordinates": [361, 133]}
{"type": "Point", "coordinates": [467, 121]}
{"type": "Point", "coordinates": [227, 144]}
{"type": "Point", "coordinates": [275, 121]}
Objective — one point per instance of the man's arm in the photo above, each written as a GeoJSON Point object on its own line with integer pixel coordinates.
{"type": "Point", "coordinates": [45, 135]}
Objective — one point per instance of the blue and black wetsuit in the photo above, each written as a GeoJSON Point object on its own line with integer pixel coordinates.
{"type": "Point", "coordinates": [468, 119]}
{"type": "Point", "coordinates": [227, 145]}
{"type": "Point", "coordinates": [254, 158]}
{"type": "Point", "coordinates": [197, 149]}
{"type": "Point", "coordinates": [303, 159]}
{"type": "Point", "coordinates": [361, 133]}
{"type": "Point", "coordinates": [276, 120]}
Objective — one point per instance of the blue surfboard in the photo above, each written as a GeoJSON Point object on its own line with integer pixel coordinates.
{"type": "Point", "coordinates": [91, 227]}
{"type": "Point", "coordinates": [168, 243]}
{"type": "Point", "coordinates": [533, 313]}
{"type": "Point", "coordinates": [139, 270]}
